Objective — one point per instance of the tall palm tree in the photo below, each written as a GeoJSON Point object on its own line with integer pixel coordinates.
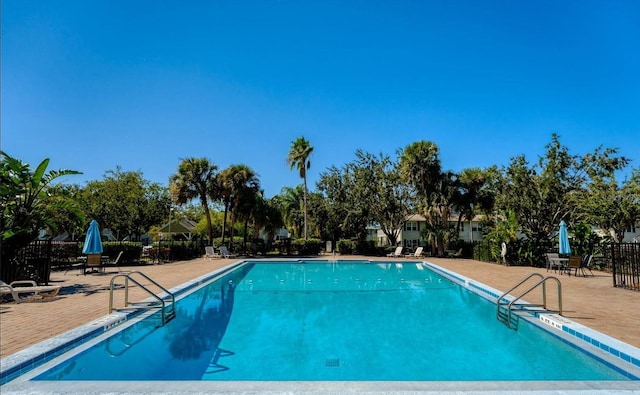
{"type": "Point", "coordinates": [195, 179]}
{"type": "Point", "coordinates": [299, 158]}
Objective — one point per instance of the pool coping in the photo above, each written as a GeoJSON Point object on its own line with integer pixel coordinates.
{"type": "Point", "coordinates": [16, 365]}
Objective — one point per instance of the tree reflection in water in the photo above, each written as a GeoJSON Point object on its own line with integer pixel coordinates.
{"type": "Point", "coordinates": [202, 331]}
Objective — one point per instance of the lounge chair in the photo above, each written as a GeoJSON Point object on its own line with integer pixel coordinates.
{"type": "Point", "coordinates": [115, 263]}
{"type": "Point", "coordinates": [456, 254]}
{"type": "Point", "coordinates": [210, 252]}
{"type": "Point", "coordinates": [225, 253]}
{"type": "Point", "coordinates": [396, 254]}
{"type": "Point", "coordinates": [27, 293]}
{"type": "Point", "coordinates": [416, 254]}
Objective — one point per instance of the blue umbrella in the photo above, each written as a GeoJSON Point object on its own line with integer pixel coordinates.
{"type": "Point", "coordinates": [564, 239]}
{"type": "Point", "coordinates": [93, 241]}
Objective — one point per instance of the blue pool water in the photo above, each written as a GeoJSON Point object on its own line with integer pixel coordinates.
{"type": "Point", "coordinates": [341, 321]}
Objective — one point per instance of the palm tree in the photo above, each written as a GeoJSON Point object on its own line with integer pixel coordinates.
{"type": "Point", "coordinates": [239, 184]}
{"type": "Point", "coordinates": [475, 194]}
{"type": "Point", "coordinates": [299, 158]}
{"type": "Point", "coordinates": [420, 165]}
{"type": "Point", "coordinates": [268, 217]}
{"type": "Point", "coordinates": [289, 202]}
{"type": "Point", "coordinates": [195, 179]}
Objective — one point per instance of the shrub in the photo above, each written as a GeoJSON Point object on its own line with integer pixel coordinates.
{"type": "Point", "coordinates": [345, 247]}
{"type": "Point", "coordinates": [131, 250]}
{"type": "Point", "coordinates": [307, 247]}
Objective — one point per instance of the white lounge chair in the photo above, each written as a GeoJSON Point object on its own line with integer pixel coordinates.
{"type": "Point", "coordinates": [115, 263]}
{"type": "Point", "coordinates": [210, 252]}
{"type": "Point", "coordinates": [225, 253]}
{"type": "Point", "coordinates": [29, 292]}
{"type": "Point", "coordinates": [416, 254]}
{"type": "Point", "coordinates": [397, 253]}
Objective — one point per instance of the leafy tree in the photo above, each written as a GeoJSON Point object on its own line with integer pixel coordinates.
{"type": "Point", "coordinates": [299, 158]}
{"type": "Point", "coordinates": [501, 227]}
{"type": "Point", "coordinates": [610, 206]}
{"type": "Point", "coordinates": [379, 189]}
{"type": "Point", "coordinates": [65, 213]}
{"type": "Point", "coordinates": [202, 228]}
{"type": "Point", "coordinates": [342, 216]}
{"type": "Point", "coordinates": [26, 197]}
{"type": "Point", "coordinates": [195, 179]}
{"type": "Point", "coordinates": [543, 194]}
{"type": "Point", "coordinates": [126, 203]}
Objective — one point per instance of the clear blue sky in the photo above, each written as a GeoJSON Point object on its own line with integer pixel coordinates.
{"type": "Point", "coordinates": [141, 84]}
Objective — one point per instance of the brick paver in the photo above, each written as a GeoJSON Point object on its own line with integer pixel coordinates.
{"type": "Point", "coordinates": [591, 301]}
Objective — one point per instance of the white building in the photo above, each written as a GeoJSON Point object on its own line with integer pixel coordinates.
{"type": "Point", "coordinates": [410, 234]}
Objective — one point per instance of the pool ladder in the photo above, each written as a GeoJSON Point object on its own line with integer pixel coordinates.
{"type": "Point", "coordinates": [506, 307]}
{"type": "Point", "coordinates": [165, 303]}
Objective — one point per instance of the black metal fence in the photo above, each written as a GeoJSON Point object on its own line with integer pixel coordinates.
{"type": "Point", "coordinates": [625, 259]}
{"type": "Point", "coordinates": [37, 260]}
{"type": "Point", "coordinates": [30, 263]}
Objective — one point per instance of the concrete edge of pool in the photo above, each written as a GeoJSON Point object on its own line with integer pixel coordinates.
{"type": "Point", "coordinates": [320, 387]}
{"type": "Point", "coordinates": [16, 367]}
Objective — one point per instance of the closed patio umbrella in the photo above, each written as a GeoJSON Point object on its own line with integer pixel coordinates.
{"type": "Point", "coordinates": [93, 241]}
{"type": "Point", "coordinates": [563, 237]}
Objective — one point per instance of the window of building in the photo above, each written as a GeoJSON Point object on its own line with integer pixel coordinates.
{"type": "Point", "coordinates": [411, 226]}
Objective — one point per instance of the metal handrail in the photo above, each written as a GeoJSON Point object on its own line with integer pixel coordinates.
{"type": "Point", "coordinates": [534, 286]}
{"type": "Point", "coordinates": [519, 284]}
{"type": "Point", "coordinates": [127, 277]}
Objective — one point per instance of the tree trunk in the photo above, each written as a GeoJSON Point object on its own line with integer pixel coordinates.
{"type": "Point", "coordinates": [224, 222]}
{"type": "Point", "coordinates": [305, 207]}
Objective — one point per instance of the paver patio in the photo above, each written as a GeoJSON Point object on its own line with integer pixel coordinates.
{"type": "Point", "coordinates": [591, 301]}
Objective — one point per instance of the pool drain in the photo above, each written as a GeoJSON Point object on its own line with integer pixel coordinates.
{"type": "Point", "coordinates": [332, 363]}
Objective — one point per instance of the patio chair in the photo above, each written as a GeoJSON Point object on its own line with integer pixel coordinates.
{"type": "Point", "coordinates": [115, 263]}
{"type": "Point", "coordinates": [225, 253]}
{"type": "Point", "coordinates": [586, 264]}
{"type": "Point", "coordinates": [575, 261]}
{"type": "Point", "coordinates": [416, 254]}
{"type": "Point", "coordinates": [396, 254]}
{"type": "Point", "coordinates": [210, 252]}
{"type": "Point", "coordinates": [31, 291]}
{"type": "Point", "coordinates": [554, 262]}
{"type": "Point", "coordinates": [94, 264]}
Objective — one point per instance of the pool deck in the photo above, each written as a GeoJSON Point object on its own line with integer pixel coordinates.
{"type": "Point", "coordinates": [591, 301]}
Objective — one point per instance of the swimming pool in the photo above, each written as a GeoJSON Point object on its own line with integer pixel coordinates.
{"type": "Point", "coordinates": [333, 321]}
